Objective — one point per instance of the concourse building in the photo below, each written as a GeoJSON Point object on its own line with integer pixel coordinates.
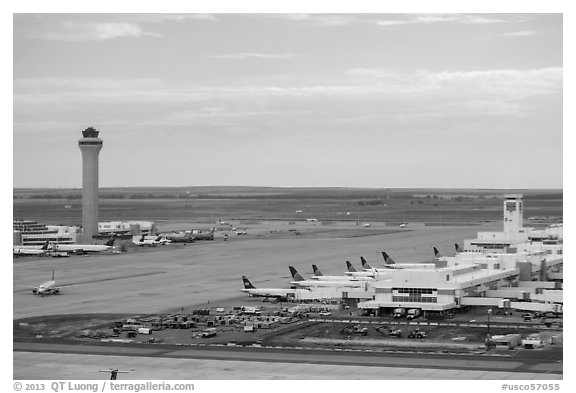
{"type": "Point", "coordinates": [519, 268]}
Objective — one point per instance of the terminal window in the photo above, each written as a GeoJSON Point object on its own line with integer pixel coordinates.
{"type": "Point", "coordinates": [414, 299]}
{"type": "Point", "coordinates": [418, 295]}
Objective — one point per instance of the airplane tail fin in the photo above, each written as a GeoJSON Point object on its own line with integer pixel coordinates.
{"type": "Point", "coordinates": [350, 267]}
{"type": "Point", "coordinates": [142, 238]}
{"type": "Point", "coordinates": [247, 283]}
{"type": "Point", "coordinates": [317, 271]}
{"type": "Point", "coordinates": [295, 275]}
{"type": "Point", "coordinates": [365, 264]}
{"type": "Point", "coordinates": [437, 253]}
{"type": "Point", "coordinates": [45, 245]}
{"type": "Point", "coordinates": [110, 241]}
{"type": "Point", "coordinates": [388, 259]}
{"type": "Point", "coordinates": [52, 275]}
{"type": "Point", "coordinates": [458, 248]}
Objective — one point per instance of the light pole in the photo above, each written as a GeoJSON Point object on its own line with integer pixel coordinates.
{"type": "Point", "coordinates": [488, 338]}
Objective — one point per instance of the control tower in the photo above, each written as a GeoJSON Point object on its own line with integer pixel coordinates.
{"type": "Point", "coordinates": [90, 146]}
{"type": "Point", "coordinates": [513, 214]}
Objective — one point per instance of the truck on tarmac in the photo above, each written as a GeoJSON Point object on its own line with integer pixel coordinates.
{"type": "Point", "coordinates": [413, 313]}
{"type": "Point", "coordinates": [399, 312]}
{"type": "Point", "coordinates": [417, 334]}
{"type": "Point", "coordinates": [210, 332]}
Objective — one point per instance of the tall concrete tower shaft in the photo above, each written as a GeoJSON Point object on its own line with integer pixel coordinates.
{"type": "Point", "coordinates": [90, 146]}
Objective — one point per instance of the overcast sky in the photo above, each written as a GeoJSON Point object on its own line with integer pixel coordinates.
{"type": "Point", "coordinates": [359, 100]}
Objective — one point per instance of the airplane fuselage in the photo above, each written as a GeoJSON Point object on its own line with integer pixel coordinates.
{"type": "Point", "coordinates": [80, 248]}
{"type": "Point", "coordinates": [343, 278]}
{"type": "Point", "coordinates": [328, 283]}
{"type": "Point", "coordinates": [411, 266]}
{"type": "Point", "coordinates": [269, 292]}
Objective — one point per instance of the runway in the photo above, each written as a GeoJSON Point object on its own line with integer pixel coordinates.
{"type": "Point", "coordinates": [163, 362]}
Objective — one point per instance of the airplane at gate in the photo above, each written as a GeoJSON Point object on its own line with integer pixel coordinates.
{"type": "Point", "coordinates": [277, 293]}
{"type": "Point", "coordinates": [301, 282]}
{"type": "Point", "coordinates": [84, 248]}
{"type": "Point", "coordinates": [30, 250]}
{"type": "Point", "coordinates": [147, 242]}
{"type": "Point", "coordinates": [320, 277]}
{"type": "Point", "coordinates": [391, 264]}
{"type": "Point", "coordinates": [356, 274]}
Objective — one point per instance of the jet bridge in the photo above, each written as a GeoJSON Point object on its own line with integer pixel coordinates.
{"type": "Point", "coordinates": [485, 301]}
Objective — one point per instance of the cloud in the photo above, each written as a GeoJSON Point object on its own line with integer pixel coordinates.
{"type": "Point", "coordinates": [519, 34]}
{"type": "Point", "coordinates": [393, 22]}
{"type": "Point", "coordinates": [320, 19]}
{"type": "Point", "coordinates": [93, 31]}
{"type": "Point", "coordinates": [475, 19]}
{"type": "Point", "coordinates": [265, 56]}
{"type": "Point", "coordinates": [187, 17]}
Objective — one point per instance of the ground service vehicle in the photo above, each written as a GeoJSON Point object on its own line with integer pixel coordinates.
{"type": "Point", "coordinates": [360, 330]}
{"type": "Point", "coordinates": [417, 334]}
{"type": "Point", "coordinates": [399, 312]}
{"type": "Point", "coordinates": [210, 332]}
{"type": "Point", "coordinates": [413, 313]}
{"type": "Point", "coordinates": [395, 332]}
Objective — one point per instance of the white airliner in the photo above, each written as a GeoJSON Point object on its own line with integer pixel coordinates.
{"type": "Point", "coordinates": [355, 273]}
{"type": "Point", "coordinates": [391, 264]}
{"type": "Point", "coordinates": [143, 241]}
{"type": "Point", "coordinates": [301, 282]}
{"type": "Point", "coordinates": [47, 288]}
{"type": "Point", "coordinates": [320, 277]}
{"type": "Point", "coordinates": [277, 293]}
{"type": "Point", "coordinates": [30, 250]}
{"type": "Point", "coordinates": [84, 248]}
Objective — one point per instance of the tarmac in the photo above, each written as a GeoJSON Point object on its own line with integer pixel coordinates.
{"type": "Point", "coordinates": [176, 276]}
{"type": "Point", "coordinates": [42, 366]}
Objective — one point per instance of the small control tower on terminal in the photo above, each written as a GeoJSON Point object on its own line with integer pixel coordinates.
{"type": "Point", "coordinates": [90, 146]}
{"type": "Point", "coordinates": [513, 214]}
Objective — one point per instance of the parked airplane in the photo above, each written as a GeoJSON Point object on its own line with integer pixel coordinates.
{"type": "Point", "coordinates": [356, 274]}
{"type": "Point", "coordinates": [391, 264]}
{"type": "Point", "coordinates": [204, 235]}
{"type": "Point", "coordinates": [277, 293]}
{"type": "Point", "coordinates": [30, 250]}
{"type": "Point", "coordinates": [84, 248]}
{"type": "Point", "coordinates": [319, 276]}
{"type": "Point", "coordinates": [47, 288]}
{"type": "Point", "coordinates": [301, 282]}
{"type": "Point", "coordinates": [147, 242]}
{"type": "Point", "coordinates": [179, 237]}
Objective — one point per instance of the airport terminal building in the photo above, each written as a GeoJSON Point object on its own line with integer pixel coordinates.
{"type": "Point", "coordinates": [32, 233]}
{"type": "Point", "coordinates": [518, 268]}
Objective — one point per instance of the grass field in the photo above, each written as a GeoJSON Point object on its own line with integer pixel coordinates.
{"type": "Point", "coordinates": [328, 205]}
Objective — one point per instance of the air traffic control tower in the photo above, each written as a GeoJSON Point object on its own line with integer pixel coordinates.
{"type": "Point", "coordinates": [90, 146]}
